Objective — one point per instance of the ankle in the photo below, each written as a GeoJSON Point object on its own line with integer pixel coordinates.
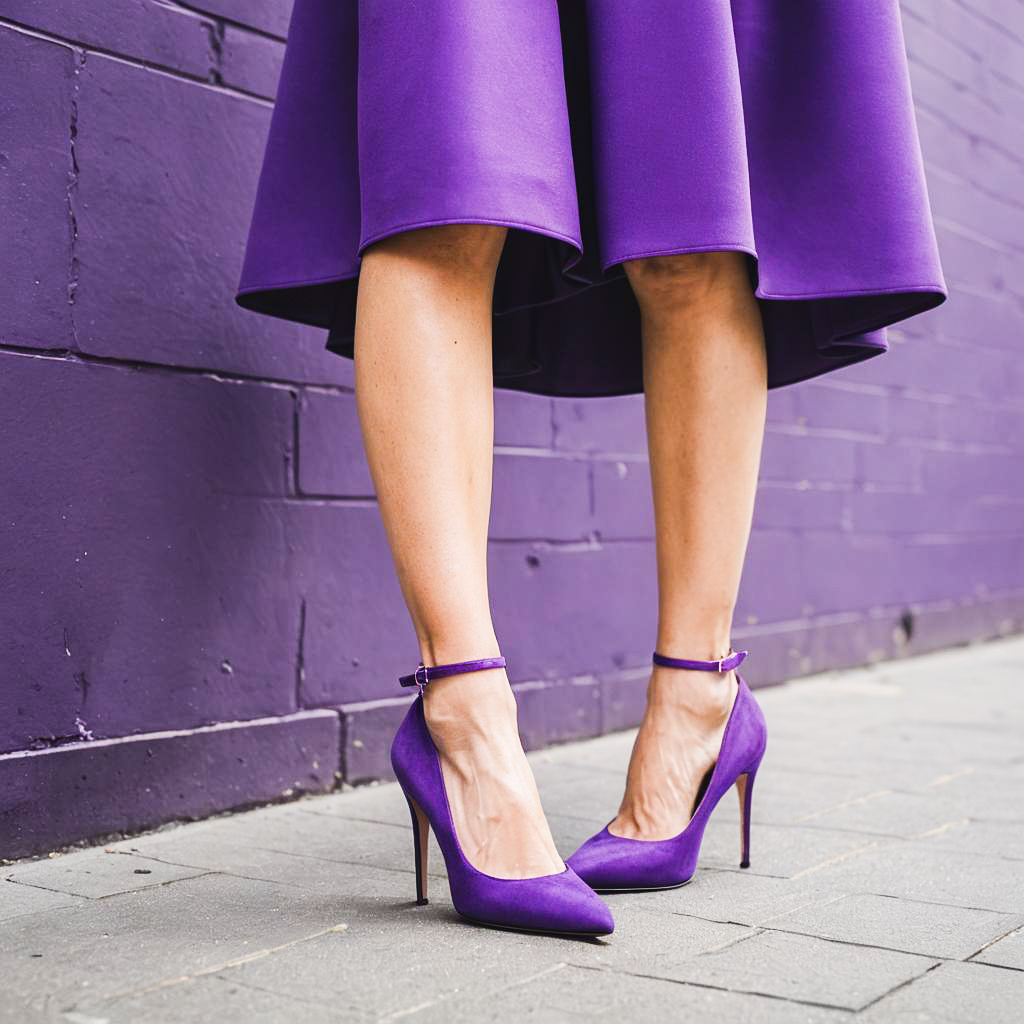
{"type": "Point", "coordinates": [699, 693]}
{"type": "Point", "coordinates": [475, 704]}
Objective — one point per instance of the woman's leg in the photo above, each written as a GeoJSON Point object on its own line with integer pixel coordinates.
{"type": "Point", "coordinates": [424, 391]}
{"type": "Point", "coordinates": [705, 386]}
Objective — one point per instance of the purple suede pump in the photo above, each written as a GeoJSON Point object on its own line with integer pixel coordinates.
{"type": "Point", "coordinates": [561, 903]}
{"type": "Point", "coordinates": [610, 863]}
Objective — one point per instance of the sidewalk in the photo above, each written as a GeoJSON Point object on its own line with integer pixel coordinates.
{"type": "Point", "coordinates": [887, 884]}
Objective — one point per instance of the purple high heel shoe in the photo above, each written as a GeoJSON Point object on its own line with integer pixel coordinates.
{"type": "Point", "coordinates": [561, 903]}
{"type": "Point", "coordinates": [610, 863]}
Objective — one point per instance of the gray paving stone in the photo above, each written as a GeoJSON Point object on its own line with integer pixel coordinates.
{"type": "Point", "coordinates": [914, 871]}
{"type": "Point", "coordinates": [994, 706]}
{"type": "Point", "coordinates": [431, 953]}
{"type": "Point", "coordinates": [1007, 952]}
{"type": "Point", "coordinates": [930, 929]}
{"type": "Point", "coordinates": [886, 813]}
{"type": "Point", "coordinates": [345, 840]}
{"type": "Point", "coordinates": [213, 998]}
{"type": "Point", "coordinates": [805, 969]}
{"type": "Point", "coordinates": [892, 741]}
{"type": "Point", "coordinates": [983, 793]}
{"type": "Point", "coordinates": [735, 897]}
{"type": "Point", "coordinates": [71, 958]}
{"type": "Point", "coordinates": [645, 942]}
{"type": "Point", "coordinates": [779, 850]}
{"type": "Point", "coordinates": [565, 993]}
{"type": "Point", "coordinates": [18, 1011]}
{"type": "Point", "coordinates": [913, 740]}
{"type": "Point", "coordinates": [95, 873]}
{"type": "Point", "coordinates": [394, 958]}
{"type": "Point", "coordinates": [784, 796]}
{"type": "Point", "coordinates": [912, 703]}
{"type": "Point", "coordinates": [901, 753]}
{"type": "Point", "coordinates": [217, 850]}
{"type": "Point", "coordinates": [16, 900]}
{"type": "Point", "coordinates": [995, 838]}
{"type": "Point", "coordinates": [868, 760]}
{"type": "Point", "coordinates": [955, 993]}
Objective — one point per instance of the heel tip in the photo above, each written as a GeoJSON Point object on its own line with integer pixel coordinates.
{"type": "Point", "coordinates": [744, 863]}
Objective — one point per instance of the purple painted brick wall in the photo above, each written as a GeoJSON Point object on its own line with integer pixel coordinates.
{"type": "Point", "coordinates": [197, 602]}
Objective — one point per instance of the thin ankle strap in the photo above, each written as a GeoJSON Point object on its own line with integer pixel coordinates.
{"type": "Point", "coordinates": [425, 673]}
{"type": "Point", "coordinates": [730, 661]}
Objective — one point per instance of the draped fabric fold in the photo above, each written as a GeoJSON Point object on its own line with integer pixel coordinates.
{"type": "Point", "coordinates": [601, 131]}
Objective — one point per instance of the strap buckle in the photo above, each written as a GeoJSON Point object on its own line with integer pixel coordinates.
{"type": "Point", "coordinates": [420, 683]}
{"type": "Point", "coordinates": [419, 678]}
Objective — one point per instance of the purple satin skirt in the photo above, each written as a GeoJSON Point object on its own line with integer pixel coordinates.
{"type": "Point", "coordinates": [601, 131]}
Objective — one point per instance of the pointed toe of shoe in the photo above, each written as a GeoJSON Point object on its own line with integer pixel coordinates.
{"type": "Point", "coordinates": [571, 906]}
{"type": "Point", "coordinates": [561, 904]}
{"type": "Point", "coordinates": [598, 920]}
{"type": "Point", "coordinates": [593, 915]}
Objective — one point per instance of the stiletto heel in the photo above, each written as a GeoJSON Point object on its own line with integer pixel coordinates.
{"type": "Point", "coordinates": [560, 903]}
{"type": "Point", "coordinates": [745, 788]}
{"type": "Point", "coordinates": [611, 863]}
{"type": "Point", "coordinates": [420, 845]}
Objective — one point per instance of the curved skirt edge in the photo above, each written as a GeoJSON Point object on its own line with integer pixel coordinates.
{"type": "Point", "coordinates": [568, 325]}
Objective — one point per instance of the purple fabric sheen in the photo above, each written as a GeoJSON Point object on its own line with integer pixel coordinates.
{"type": "Point", "coordinates": [559, 903]}
{"type": "Point", "coordinates": [603, 131]}
{"type": "Point", "coordinates": [606, 861]}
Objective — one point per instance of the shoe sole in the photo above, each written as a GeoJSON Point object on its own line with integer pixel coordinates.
{"type": "Point", "coordinates": [531, 931]}
{"type": "Point", "coordinates": [646, 888]}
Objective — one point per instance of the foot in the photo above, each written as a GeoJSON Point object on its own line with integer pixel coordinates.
{"type": "Point", "coordinates": [676, 746]}
{"type": "Point", "coordinates": [492, 793]}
